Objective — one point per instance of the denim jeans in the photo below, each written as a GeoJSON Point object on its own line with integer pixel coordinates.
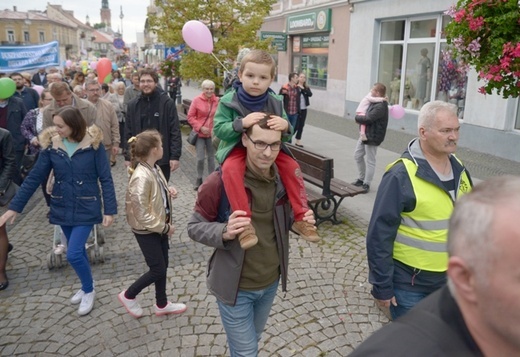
{"type": "Point", "coordinates": [77, 254]}
{"type": "Point", "coordinates": [293, 119]}
{"type": "Point", "coordinates": [405, 301]}
{"type": "Point", "coordinates": [245, 322]}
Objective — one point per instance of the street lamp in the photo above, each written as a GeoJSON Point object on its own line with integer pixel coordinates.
{"type": "Point", "coordinates": [121, 17]}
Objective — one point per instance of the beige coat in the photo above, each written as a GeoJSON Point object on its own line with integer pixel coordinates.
{"type": "Point", "coordinates": [108, 123]}
{"type": "Point", "coordinates": [87, 109]}
{"type": "Point", "coordinates": [145, 211]}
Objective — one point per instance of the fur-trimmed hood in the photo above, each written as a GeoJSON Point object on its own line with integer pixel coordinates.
{"type": "Point", "coordinates": [50, 137]}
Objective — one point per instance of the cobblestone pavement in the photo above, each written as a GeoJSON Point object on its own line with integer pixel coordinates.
{"type": "Point", "coordinates": [326, 311]}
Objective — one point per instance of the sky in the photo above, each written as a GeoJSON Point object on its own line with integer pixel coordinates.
{"type": "Point", "coordinates": [134, 12]}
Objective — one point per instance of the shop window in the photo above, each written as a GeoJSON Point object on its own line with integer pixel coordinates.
{"type": "Point", "coordinates": [310, 56]}
{"type": "Point", "coordinates": [416, 66]}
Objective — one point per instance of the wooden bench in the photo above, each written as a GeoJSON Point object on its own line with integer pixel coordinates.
{"type": "Point", "coordinates": [183, 117]}
{"type": "Point", "coordinates": [319, 171]}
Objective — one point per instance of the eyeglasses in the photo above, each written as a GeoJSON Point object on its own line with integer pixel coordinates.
{"type": "Point", "coordinates": [260, 145]}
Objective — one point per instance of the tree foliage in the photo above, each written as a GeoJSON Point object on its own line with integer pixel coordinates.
{"type": "Point", "coordinates": [234, 24]}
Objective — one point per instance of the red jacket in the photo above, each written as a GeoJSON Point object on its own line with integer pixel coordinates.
{"type": "Point", "coordinates": [199, 109]}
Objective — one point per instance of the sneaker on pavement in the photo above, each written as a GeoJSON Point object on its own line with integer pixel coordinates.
{"type": "Point", "coordinates": [366, 187]}
{"type": "Point", "coordinates": [358, 183]}
{"type": "Point", "coordinates": [87, 303]}
{"type": "Point", "coordinates": [76, 299]}
{"type": "Point", "coordinates": [170, 308]}
{"type": "Point", "coordinates": [307, 231]}
{"type": "Point", "coordinates": [248, 237]}
{"type": "Point", "coordinates": [131, 305]}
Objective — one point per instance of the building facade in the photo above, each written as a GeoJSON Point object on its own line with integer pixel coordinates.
{"type": "Point", "coordinates": [398, 43]}
{"type": "Point", "coordinates": [34, 28]}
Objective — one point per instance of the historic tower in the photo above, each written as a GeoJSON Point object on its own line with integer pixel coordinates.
{"type": "Point", "coordinates": [105, 14]}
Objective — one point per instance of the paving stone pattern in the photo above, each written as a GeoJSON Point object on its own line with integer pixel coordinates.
{"type": "Point", "coordinates": [327, 310]}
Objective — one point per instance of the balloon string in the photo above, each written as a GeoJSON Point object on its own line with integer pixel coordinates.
{"type": "Point", "coordinates": [219, 62]}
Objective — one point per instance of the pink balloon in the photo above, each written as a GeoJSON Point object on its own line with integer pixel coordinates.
{"type": "Point", "coordinates": [38, 88]}
{"type": "Point", "coordinates": [396, 111]}
{"type": "Point", "coordinates": [198, 36]}
{"type": "Point", "coordinates": [93, 65]}
{"type": "Point", "coordinates": [68, 63]}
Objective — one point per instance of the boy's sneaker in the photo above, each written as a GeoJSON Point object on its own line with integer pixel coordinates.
{"type": "Point", "coordinates": [87, 303]}
{"type": "Point", "coordinates": [131, 305]}
{"type": "Point", "coordinates": [363, 137]}
{"type": "Point", "coordinates": [76, 299]}
{"type": "Point", "coordinates": [307, 231]}
{"type": "Point", "coordinates": [248, 237]}
{"type": "Point", "coordinates": [60, 249]}
{"type": "Point", "coordinates": [170, 308]}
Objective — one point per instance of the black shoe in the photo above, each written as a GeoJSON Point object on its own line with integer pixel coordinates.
{"type": "Point", "coordinates": [4, 285]}
{"type": "Point", "coordinates": [358, 183]}
{"type": "Point", "coordinates": [197, 185]}
{"type": "Point", "coordinates": [366, 187]}
{"type": "Point", "coordinates": [9, 247]}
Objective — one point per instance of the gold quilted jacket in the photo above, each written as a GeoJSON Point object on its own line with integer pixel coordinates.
{"type": "Point", "coordinates": [145, 211]}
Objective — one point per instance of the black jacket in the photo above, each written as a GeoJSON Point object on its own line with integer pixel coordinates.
{"type": "Point", "coordinates": [157, 111]}
{"type": "Point", "coordinates": [376, 120]}
{"type": "Point", "coordinates": [434, 327]}
{"type": "Point", "coordinates": [7, 159]}
{"type": "Point", "coordinates": [16, 111]}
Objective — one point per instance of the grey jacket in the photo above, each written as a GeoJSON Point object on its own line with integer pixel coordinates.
{"type": "Point", "coordinates": [225, 264]}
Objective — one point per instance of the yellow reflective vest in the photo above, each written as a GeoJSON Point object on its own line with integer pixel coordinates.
{"type": "Point", "coordinates": [421, 240]}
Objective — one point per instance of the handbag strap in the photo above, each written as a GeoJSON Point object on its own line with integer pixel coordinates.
{"type": "Point", "coordinates": [209, 113]}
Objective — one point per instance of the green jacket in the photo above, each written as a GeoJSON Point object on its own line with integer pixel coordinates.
{"type": "Point", "coordinates": [227, 124]}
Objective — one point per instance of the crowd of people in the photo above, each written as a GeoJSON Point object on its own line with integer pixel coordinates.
{"type": "Point", "coordinates": [416, 239]}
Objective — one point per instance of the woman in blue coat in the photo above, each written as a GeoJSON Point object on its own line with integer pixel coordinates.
{"type": "Point", "coordinates": [76, 155]}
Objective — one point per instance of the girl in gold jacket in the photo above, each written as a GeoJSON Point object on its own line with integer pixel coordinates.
{"type": "Point", "coordinates": [148, 212]}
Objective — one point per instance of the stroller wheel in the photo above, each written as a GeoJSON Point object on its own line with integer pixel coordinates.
{"type": "Point", "coordinates": [51, 260]}
{"type": "Point", "coordinates": [101, 255]}
{"type": "Point", "coordinates": [59, 260]}
{"type": "Point", "coordinates": [92, 255]}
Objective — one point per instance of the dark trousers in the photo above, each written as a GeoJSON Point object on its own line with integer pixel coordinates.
{"type": "Point", "coordinates": [155, 250]}
{"type": "Point", "coordinates": [300, 123]}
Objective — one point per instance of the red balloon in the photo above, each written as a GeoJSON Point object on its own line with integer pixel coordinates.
{"type": "Point", "coordinates": [103, 68]}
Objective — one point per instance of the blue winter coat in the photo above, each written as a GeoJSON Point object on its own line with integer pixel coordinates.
{"type": "Point", "coordinates": [76, 196]}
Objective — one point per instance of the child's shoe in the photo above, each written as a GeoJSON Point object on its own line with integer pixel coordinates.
{"type": "Point", "coordinates": [307, 231]}
{"type": "Point", "coordinates": [363, 137]}
{"type": "Point", "coordinates": [248, 237]}
{"type": "Point", "coordinates": [131, 305]}
{"type": "Point", "coordinates": [170, 308]}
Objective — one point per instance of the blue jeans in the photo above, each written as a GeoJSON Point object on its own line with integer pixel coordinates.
{"type": "Point", "coordinates": [245, 322]}
{"type": "Point", "coordinates": [77, 254]}
{"type": "Point", "coordinates": [405, 301]}
{"type": "Point", "coordinates": [293, 119]}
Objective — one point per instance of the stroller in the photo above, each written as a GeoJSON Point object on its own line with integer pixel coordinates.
{"type": "Point", "coordinates": [94, 247]}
